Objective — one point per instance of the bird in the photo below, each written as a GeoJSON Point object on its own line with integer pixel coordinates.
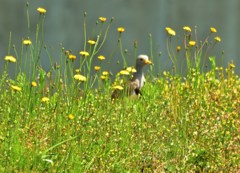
{"type": "Point", "coordinates": [134, 85]}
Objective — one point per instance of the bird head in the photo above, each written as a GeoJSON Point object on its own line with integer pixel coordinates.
{"type": "Point", "coordinates": [143, 60]}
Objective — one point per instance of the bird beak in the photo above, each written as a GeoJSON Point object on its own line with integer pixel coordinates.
{"type": "Point", "coordinates": [148, 62]}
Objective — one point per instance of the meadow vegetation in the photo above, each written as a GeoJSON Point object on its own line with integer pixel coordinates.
{"type": "Point", "coordinates": [63, 119]}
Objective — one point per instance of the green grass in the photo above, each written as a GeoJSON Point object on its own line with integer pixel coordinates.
{"type": "Point", "coordinates": [180, 124]}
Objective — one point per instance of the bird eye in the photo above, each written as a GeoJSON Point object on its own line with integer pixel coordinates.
{"type": "Point", "coordinates": [141, 59]}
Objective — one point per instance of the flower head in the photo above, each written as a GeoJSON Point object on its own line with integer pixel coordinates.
{"type": "Point", "coordinates": [77, 70]}
{"type": "Point", "coordinates": [232, 65]}
{"type": "Point", "coordinates": [80, 77]}
{"type": "Point", "coordinates": [72, 57]}
{"type": "Point", "coordinates": [213, 30]}
{"type": "Point", "coordinates": [84, 53]}
{"type": "Point", "coordinates": [192, 43]}
{"type": "Point", "coordinates": [120, 29]}
{"type": "Point", "coordinates": [41, 10]}
{"type": "Point", "coordinates": [27, 42]}
{"type": "Point", "coordinates": [218, 39]}
{"type": "Point", "coordinates": [45, 99]}
{"type": "Point", "coordinates": [97, 68]}
{"type": "Point", "coordinates": [10, 58]}
{"type": "Point", "coordinates": [105, 73]}
{"type": "Point", "coordinates": [70, 116]}
{"type": "Point", "coordinates": [124, 72]}
{"type": "Point", "coordinates": [33, 84]}
{"type": "Point", "coordinates": [131, 69]}
{"type": "Point", "coordinates": [118, 87]}
{"type": "Point", "coordinates": [103, 77]}
{"type": "Point", "coordinates": [102, 19]}
{"type": "Point", "coordinates": [91, 42]}
{"type": "Point", "coordinates": [101, 57]}
{"type": "Point", "coordinates": [187, 28]}
{"type": "Point", "coordinates": [16, 88]}
{"type": "Point", "coordinates": [178, 48]}
{"type": "Point", "coordinates": [170, 31]}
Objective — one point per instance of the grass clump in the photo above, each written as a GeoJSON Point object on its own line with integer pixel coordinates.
{"type": "Point", "coordinates": [64, 119]}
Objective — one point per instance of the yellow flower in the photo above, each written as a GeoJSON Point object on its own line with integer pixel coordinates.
{"type": "Point", "coordinates": [120, 29]}
{"type": "Point", "coordinates": [187, 28]}
{"type": "Point", "coordinates": [101, 57]}
{"type": "Point", "coordinates": [213, 30]}
{"type": "Point", "coordinates": [231, 65]}
{"type": "Point", "coordinates": [105, 73]}
{"type": "Point", "coordinates": [168, 28]}
{"type": "Point", "coordinates": [33, 84]}
{"type": "Point", "coordinates": [131, 69]}
{"type": "Point", "coordinates": [77, 70]}
{"type": "Point", "coordinates": [118, 87]}
{"type": "Point", "coordinates": [192, 43]}
{"type": "Point", "coordinates": [178, 48]}
{"type": "Point", "coordinates": [45, 99]}
{"type": "Point", "coordinates": [72, 57]}
{"type": "Point", "coordinates": [103, 77]}
{"type": "Point", "coordinates": [41, 10]}
{"type": "Point", "coordinates": [92, 42]}
{"type": "Point", "coordinates": [10, 58]}
{"type": "Point", "coordinates": [218, 39]}
{"type": "Point", "coordinates": [170, 31]}
{"type": "Point", "coordinates": [102, 19]}
{"type": "Point", "coordinates": [70, 116]}
{"type": "Point", "coordinates": [16, 88]}
{"type": "Point", "coordinates": [124, 72]}
{"type": "Point", "coordinates": [84, 53]}
{"type": "Point", "coordinates": [97, 68]}
{"type": "Point", "coordinates": [80, 77]}
{"type": "Point", "coordinates": [27, 42]}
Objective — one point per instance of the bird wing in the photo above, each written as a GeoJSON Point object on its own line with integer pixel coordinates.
{"type": "Point", "coordinates": [131, 88]}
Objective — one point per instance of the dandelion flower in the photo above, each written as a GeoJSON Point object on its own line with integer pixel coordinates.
{"type": "Point", "coordinates": [103, 77]}
{"type": "Point", "coordinates": [33, 84]}
{"type": "Point", "coordinates": [218, 39]}
{"type": "Point", "coordinates": [118, 87]}
{"type": "Point", "coordinates": [80, 77]}
{"type": "Point", "coordinates": [77, 70]}
{"type": "Point", "coordinates": [72, 57]}
{"type": "Point", "coordinates": [131, 69]}
{"type": "Point", "coordinates": [16, 88]}
{"type": "Point", "coordinates": [232, 65]}
{"type": "Point", "coordinates": [70, 116]}
{"type": "Point", "coordinates": [102, 19]}
{"type": "Point", "coordinates": [120, 29]}
{"type": "Point", "coordinates": [178, 48]}
{"type": "Point", "coordinates": [97, 68]}
{"type": "Point", "coordinates": [41, 10]}
{"type": "Point", "coordinates": [105, 73]}
{"type": "Point", "coordinates": [27, 42]}
{"type": "Point", "coordinates": [170, 31]}
{"type": "Point", "coordinates": [124, 72]}
{"type": "Point", "coordinates": [10, 58]}
{"type": "Point", "coordinates": [213, 30]}
{"type": "Point", "coordinates": [192, 43]}
{"type": "Point", "coordinates": [91, 42]}
{"type": "Point", "coordinates": [84, 53]}
{"type": "Point", "coordinates": [101, 57]}
{"type": "Point", "coordinates": [45, 99]}
{"type": "Point", "coordinates": [187, 28]}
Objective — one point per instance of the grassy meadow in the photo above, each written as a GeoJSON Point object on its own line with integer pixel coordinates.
{"type": "Point", "coordinates": [62, 119]}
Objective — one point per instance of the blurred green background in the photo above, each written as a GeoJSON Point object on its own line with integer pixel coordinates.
{"type": "Point", "coordinates": [64, 24]}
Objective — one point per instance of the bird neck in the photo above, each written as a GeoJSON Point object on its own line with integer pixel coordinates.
{"type": "Point", "coordinates": [139, 71]}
